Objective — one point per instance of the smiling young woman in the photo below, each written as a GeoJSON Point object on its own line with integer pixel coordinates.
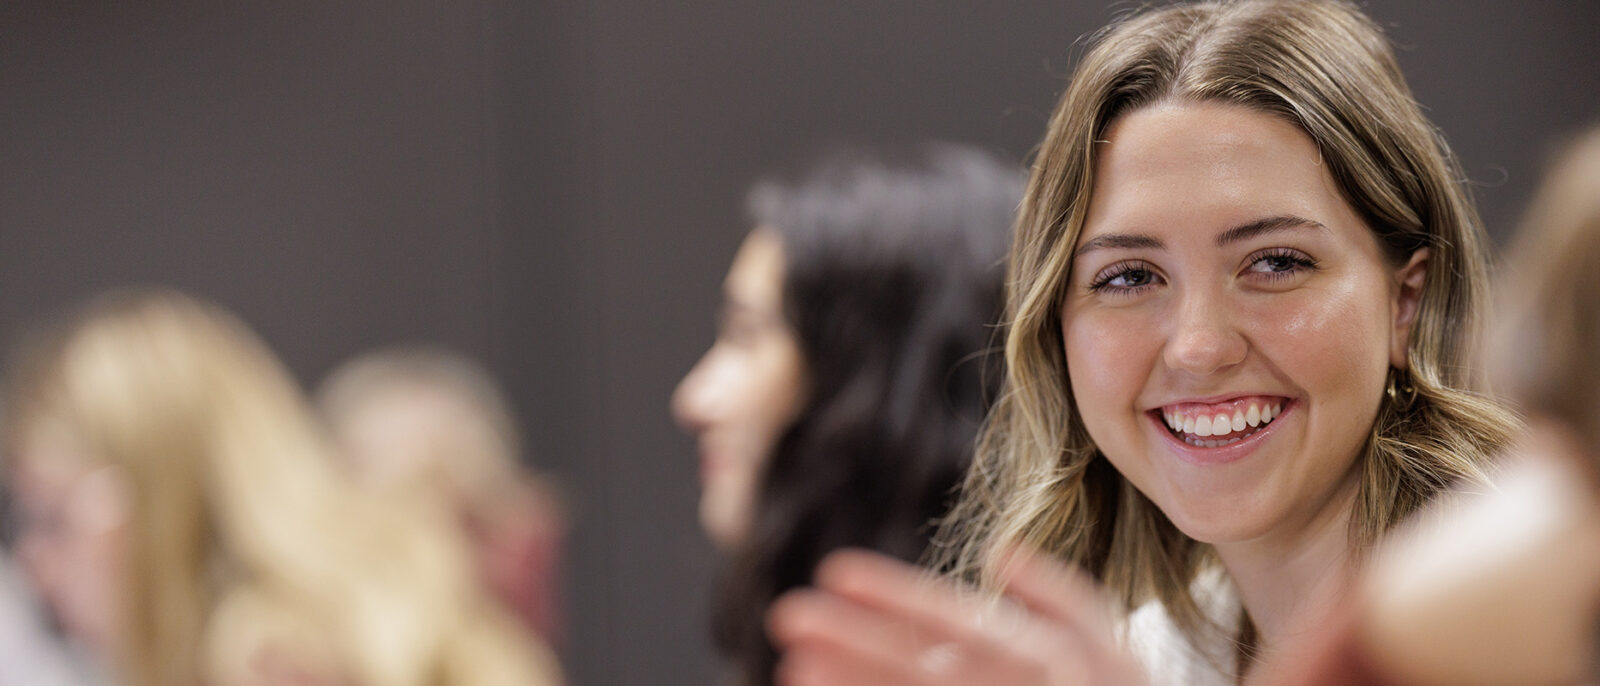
{"type": "Point", "coordinates": [1244, 296]}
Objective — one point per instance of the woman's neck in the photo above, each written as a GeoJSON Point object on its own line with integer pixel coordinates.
{"type": "Point", "coordinates": [1290, 581]}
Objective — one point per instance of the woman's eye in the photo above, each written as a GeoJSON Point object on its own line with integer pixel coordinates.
{"type": "Point", "coordinates": [1124, 278]}
{"type": "Point", "coordinates": [1132, 278]}
{"type": "Point", "coordinates": [1280, 263]}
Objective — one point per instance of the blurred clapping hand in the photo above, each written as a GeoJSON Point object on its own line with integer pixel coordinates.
{"type": "Point", "coordinates": [874, 620]}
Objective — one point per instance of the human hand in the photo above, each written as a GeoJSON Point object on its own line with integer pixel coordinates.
{"type": "Point", "coordinates": [875, 621]}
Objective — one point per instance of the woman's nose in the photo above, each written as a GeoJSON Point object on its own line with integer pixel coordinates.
{"type": "Point", "coordinates": [1204, 335]}
{"type": "Point", "coordinates": [692, 401]}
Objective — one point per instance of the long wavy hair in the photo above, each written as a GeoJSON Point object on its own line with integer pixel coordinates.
{"type": "Point", "coordinates": [244, 540]}
{"type": "Point", "coordinates": [892, 286]}
{"type": "Point", "coordinates": [1322, 65]}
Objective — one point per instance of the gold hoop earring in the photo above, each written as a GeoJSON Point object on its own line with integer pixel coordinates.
{"type": "Point", "coordinates": [1401, 391]}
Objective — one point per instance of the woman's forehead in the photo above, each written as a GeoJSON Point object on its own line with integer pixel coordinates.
{"type": "Point", "coordinates": [1207, 167]}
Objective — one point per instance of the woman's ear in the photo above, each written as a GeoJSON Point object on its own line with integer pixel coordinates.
{"type": "Point", "coordinates": [1409, 281]}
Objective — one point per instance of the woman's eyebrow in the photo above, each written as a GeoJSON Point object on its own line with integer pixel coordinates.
{"type": "Point", "coordinates": [1267, 225]}
{"type": "Point", "coordinates": [1242, 232]}
{"type": "Point", "coordinates": [1119, 240]}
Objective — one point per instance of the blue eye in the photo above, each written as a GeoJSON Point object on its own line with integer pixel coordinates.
{"type": "Point", "coordinates": [1124, 277]}
{"type": "Point", "coordinates": [1280, 262]}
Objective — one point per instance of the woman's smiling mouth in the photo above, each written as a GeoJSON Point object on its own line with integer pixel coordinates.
{"type": "Point", "coordinates": [1219, 424]}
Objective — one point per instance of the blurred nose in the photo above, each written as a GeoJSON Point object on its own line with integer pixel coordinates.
{"type": "Point", "coordinates": [693, 401]}
{"type": "Point", "coordinates": [1204, 336]}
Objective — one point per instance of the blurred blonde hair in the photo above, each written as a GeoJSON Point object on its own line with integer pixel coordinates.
{"type": "Point", "coordinates": [468, 451]}
{"type": "Point", "coordinates": [244, 542]}
{"type": "Point", "coordinates": [1039, 480]}
{"type": "Point", "coordinates": [430, 425]}
{"type": "Point", "coordinates": [1546, 344]}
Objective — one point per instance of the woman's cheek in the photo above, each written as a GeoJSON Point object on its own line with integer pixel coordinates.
{"type": "Point", "coordinates": [1110, 355]}
{"type": "Point", "coordinates": [1330, 333]}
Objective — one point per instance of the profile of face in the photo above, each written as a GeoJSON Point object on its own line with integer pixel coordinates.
{"type": "Point", "coordinates": [72, 519]}
{"type": "Point", "coordinates": [745, 391]}
{"type": "Point", "coordinates": [1229, 320]}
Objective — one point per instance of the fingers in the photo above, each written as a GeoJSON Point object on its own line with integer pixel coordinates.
{"type": "Point", "coordinates": [821, 621]}
{"type": "Point", "coordinates": [873, 620]}
{"type": "Point", "coordinates": [1057, 593]}
{"type": "Point", "coordinates": [1066, 598]}
{"type": "Point", "coordinates": [901, 590]}
{"type": "Point", "coordinates": [895, 626]}
{"type": "Point", "coordinates": [810, 664]}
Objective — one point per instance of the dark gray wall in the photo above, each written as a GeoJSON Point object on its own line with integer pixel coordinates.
{"type": "Point", "coordinates": [556, 187]}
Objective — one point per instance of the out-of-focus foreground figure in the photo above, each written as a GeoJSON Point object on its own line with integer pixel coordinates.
{"type": "Point", "coordinates": [429, 425]}
{"type": "Point", "coordinates": [1502, 587]}
{"type": "Point", "coordinates": [839, 404]}
{"type": "Point", "coordinates": [214, 540]}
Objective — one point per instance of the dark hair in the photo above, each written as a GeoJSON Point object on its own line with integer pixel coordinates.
{"type": "Point", "coordinates": [892, 286]}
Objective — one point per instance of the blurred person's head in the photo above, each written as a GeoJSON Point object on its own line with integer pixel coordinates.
{"type": "Point", "coordinates": [1498, 586]}
{"type": "Point", "coordinates": [746, 391]}
{"type": "Point", "coordinates": [425, 422]}
{"type": "Point", "coordinates": [182, 513]}
{"type": "Point", "coordinates": [839, 403]}
{"type": "Point", "coordinates": [1548, 343]}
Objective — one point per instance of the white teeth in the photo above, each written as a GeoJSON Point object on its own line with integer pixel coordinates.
{"type": "Point", "coordinates": [1220, 425]}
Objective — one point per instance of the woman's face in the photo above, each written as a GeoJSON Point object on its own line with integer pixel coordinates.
{"type": "Point", "coordinates": [1229, 321]}
{"type": "Point", "coordinates": [745, 391]}
{"type": "Point", "coordinates": [72, 522]}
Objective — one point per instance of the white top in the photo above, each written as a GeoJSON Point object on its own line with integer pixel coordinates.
{"type": "Point", "coordinates": [28, 654]}
{"type": "Point", "coordinates": [1170, 659]}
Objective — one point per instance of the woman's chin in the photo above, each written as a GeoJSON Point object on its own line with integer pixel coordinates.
{"type": "Point", "coordinates": [1218, 523]}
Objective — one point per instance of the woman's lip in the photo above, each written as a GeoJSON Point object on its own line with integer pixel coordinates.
{"type": "Point", "coordinates": [1220, 400]}
{"type": "Point", "coordinates": [1232, 452]}
{"type": "Point", "coordinates": [708, 464]}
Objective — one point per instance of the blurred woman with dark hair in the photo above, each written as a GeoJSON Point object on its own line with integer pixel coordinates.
{"type": "Point", "coordinates": [839, 404]}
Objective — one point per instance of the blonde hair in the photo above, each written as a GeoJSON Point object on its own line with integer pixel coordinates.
{"type": "Point", "coordinates": [1038, 479]}
{"type": "Point", "coordinates": [446, 437]}
{"type": "Point", "coordinates": [1547, 343]}
{"type": "Point", "coordinates": [468, 450]}
{"type": "Point", "coordinates": [243, 540]}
